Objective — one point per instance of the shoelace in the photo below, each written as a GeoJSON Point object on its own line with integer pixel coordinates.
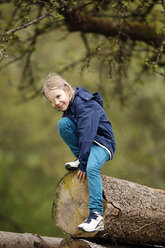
{"type": "Point", "coordinates": [91, 216]}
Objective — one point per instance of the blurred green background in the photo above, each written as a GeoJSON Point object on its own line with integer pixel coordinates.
{"type": "Point", "coordinates": [32, 154]}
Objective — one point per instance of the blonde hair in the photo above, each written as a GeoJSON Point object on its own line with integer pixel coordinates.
{"type": "Point", "coordinates": [54, 81]}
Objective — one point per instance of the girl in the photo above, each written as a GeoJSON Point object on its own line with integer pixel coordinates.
{"type": "Point", "coordinates": [85, 128]}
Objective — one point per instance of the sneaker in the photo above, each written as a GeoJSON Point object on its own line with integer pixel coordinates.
{"type": "Point", "coordinates": [93, 223]}
{"type": "Point", "coordinates": [72, 165]}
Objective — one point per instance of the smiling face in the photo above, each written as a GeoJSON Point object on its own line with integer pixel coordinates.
{"type": "Point", "coordinates": [59, 98]}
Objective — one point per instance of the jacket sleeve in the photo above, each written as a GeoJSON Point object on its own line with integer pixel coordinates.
{"type": "Point", "coordinates": [87, 124]}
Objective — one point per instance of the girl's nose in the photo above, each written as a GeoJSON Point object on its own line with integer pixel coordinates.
{"type": "Point", "coordinates": [56, 102]}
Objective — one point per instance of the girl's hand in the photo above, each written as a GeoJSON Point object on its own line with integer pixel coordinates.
{"type": "Point", "coordinates": [81, 176]}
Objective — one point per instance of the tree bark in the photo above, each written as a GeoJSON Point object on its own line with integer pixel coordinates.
{"type": "Point", "coordinates": [133, 213]}
{"type": "Point", "coordinates": [76, 21]}
{"type": "Point", "coordinates": [81, 243]}
{"type": "Point", "coordinates": [27, 240]}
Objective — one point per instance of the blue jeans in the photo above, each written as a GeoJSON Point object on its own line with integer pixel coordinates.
{"type": "Point", "coordinates": [97, 157]}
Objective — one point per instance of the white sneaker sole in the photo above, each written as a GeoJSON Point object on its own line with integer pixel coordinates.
{"type": "Point", "coordinates": [99, 227]}
{"type": "Point", "coordinates": [71, 168]}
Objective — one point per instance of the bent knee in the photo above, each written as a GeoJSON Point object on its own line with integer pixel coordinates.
{"type": "Point", "coordinates": [64, 123]}
{"type": "Point", "coordinates": [92, 169]}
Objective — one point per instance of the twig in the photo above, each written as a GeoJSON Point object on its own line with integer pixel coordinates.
{"type": "Point", "coordinates": [2, 54]}
{"type": "Point", "coordinates": [25, 25]}
{"type": "Point", "coordinates": [12, 61]}
{"type": "Point", "coordinates": [160, 73]}
{"type": "Point", "coordinates": [71, 65]}
{"type": "Point", "coordinates": [163, 4]}
{"type": "Point", "coordinates": [144, 226]}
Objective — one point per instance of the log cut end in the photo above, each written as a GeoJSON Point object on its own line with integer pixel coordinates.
{"type": "Point", "coordinates": [133, 213]}
{"type": "Point", "coordinates": [70, 205]}
{"type": "Point", "coordinates": [69, 209]}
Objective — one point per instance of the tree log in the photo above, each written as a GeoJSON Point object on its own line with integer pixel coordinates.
{"type": "Point", "coordinates": [133, 213]}
{"type": "Point", "coordinates": [27, 240]}
{"type": "Point", "coordinates": [81, 243]}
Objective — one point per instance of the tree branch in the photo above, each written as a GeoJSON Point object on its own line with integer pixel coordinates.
{"type": "Point", "coordinates": [25, 25]}
{"type": "Point", "coordinates": [20, 240]}
{"type": "Point", "coordinates": [132, 30]}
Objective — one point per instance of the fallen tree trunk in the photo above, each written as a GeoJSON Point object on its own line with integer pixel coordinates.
{"type": "Point", "coordinates": [133, 213]}
{"type": "Point", "coordinates": [29, 240]}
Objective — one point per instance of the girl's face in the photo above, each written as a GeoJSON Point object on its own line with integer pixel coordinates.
{"type": "Point", "coordinates": [59, 99]}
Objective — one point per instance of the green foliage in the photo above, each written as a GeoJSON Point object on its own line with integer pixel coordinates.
{"type": "Point", "coordinates": [28, 177]}
{"type": "Point", "coordinates": [31, 151]}
{"type": "Point", "coordinates": [140, 143]}
{"type": "Point", "coordinates": [24, 22]}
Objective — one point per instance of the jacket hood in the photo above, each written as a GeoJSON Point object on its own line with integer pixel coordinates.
{"type": "Point", "coordinates": [86, 95]}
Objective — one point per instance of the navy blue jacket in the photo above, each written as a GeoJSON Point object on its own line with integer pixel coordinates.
{"type": "Point", "coordinates": [86, 110]}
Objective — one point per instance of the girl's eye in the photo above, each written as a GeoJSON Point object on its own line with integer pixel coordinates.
{"type": "Point", "coordinates": [58, 96]}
